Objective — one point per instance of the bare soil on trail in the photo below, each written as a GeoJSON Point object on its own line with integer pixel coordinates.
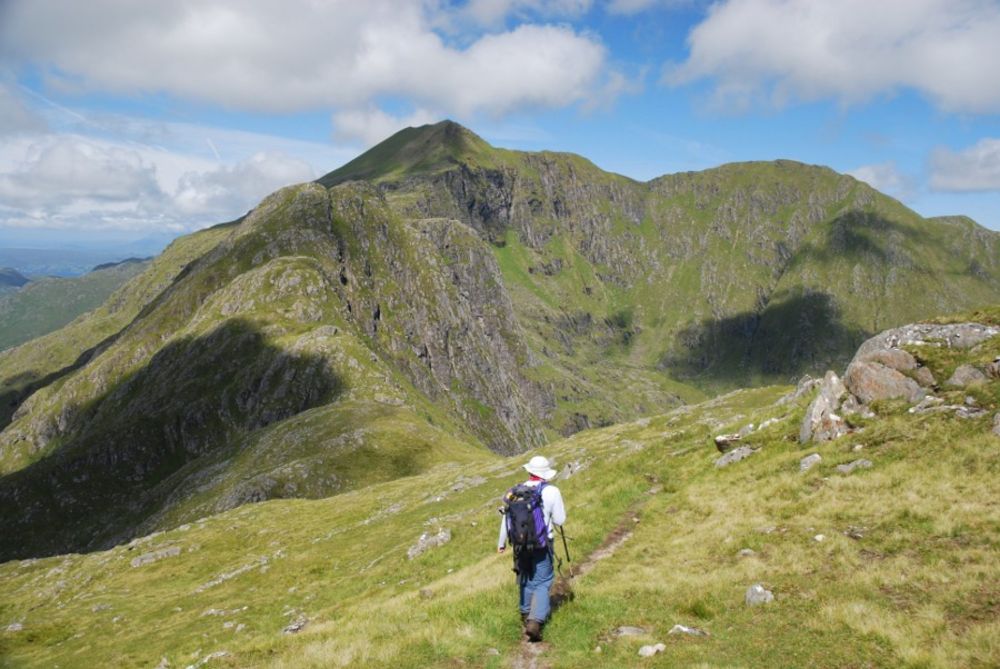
{"type": "Point", "coordinates": [531, 655]}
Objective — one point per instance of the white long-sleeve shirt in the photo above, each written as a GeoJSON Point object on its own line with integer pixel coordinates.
{"type": "Point", "coordinates": [552, 510]}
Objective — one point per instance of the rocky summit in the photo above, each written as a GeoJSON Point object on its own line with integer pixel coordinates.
{"type": "Point", "coordinates": [438, 298]}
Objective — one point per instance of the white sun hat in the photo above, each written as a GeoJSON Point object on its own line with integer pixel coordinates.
{"type": "Point", "coordinates": [540, 467]}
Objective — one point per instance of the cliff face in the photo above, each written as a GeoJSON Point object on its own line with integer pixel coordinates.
{"type": "Point", "coordinates": [437, 296]}
{"type": "Point", "coordinates": [319, 301]}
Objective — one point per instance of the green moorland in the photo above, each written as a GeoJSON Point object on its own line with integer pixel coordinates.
{"type": "Point", "coordinates": [892, 566]}
{"type": "Point", "coordinates": [50, 303]}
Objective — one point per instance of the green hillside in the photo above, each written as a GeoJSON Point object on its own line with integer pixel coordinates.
{"type": "Point", "coordinates": [50, 303]}
{"type": "Point", "coordinates": [464, 295]}
{"type": "Point", "coordinates": [891, 566]}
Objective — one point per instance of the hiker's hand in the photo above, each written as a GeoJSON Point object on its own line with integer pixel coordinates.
{"type": "Point", "coordinates": [501, 549]}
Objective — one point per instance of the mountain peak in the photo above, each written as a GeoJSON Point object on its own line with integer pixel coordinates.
{"type": "Point", "coordinates": [427, 148]}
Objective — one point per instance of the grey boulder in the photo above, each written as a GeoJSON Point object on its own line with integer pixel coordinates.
{"type": "Point", "coordinates": [734, 455]}
{"type": "Point", "coordinates": [966, 375]}
{"type": "Point", "coordinates": [757, 594]}
{"type": "Point", "coordinates": [856, 464]}
{"type": "Point", "coordinates": [870, 381]}
{"type": "Point", "coordinates": [808, 462]}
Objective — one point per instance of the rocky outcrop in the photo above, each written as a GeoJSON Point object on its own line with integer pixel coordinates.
{"type": "Point", "coordinates": [428, 541]}
{"type": "Point", "coordinates": [805, 386]}
{"type": "Point", "coordinates": [960, 335]}
{"type": "Point", "coordinates": [870, 381]}
{"type": "Point", "coordinates": [155, 556]}
{"type": "Point", "coordinates": [821, 422]}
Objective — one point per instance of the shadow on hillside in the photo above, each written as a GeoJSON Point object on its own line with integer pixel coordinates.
{"type": "Point", "coordinates": [859, 235]}
{"type": "Point", "coordinates": [798, 334]}
{"type": "Point", "coordinates": [11, 399]}
{"type": "Point", "coordinates": [194, 397]}
{"type": "Point", "coordinates": [24, 385]}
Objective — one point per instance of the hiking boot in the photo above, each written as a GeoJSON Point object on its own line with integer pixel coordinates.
{"type": "Point", "coordinates": [533, 629]}
{"type": "Point", "coordinates": [524, 617]}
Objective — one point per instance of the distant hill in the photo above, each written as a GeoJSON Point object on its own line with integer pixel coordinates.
{"type": "Point", "coordinates": [11, 278]}
{"type": "Point", "coordinates": [48, 304]}
{"type": "Point", "coordinates": [438, 298]}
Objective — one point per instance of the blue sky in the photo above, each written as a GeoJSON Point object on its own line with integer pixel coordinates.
{"type": "Point", "coordinates": [122, 121]}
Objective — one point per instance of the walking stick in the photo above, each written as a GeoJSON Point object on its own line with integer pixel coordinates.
{"type": "Point", "coordinates": [562, 533]}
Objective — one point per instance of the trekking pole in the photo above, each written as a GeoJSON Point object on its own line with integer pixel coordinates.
{"type": "Point", "coordinates": [562, 533]}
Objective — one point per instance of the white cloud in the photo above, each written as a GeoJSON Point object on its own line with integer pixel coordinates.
{"type": "Point", "coordinates": [885, 177]}
{"type": "Point", "coordinates": [15, 117]}
{"type": "Point", "coordinates": [232, 190]}
{"type": "Point", "coordinates": [774, 51]}
{"type": "Point", "coordinates": [262, 55]}
{"type": "Point", "coordinates": [372, 125]}
{"type": "Point", "coordinates": [58, 170]}
{"type": "Point", "coordinates": [69, 181]}
{"type": "Point", "coordinates": [976, 168]}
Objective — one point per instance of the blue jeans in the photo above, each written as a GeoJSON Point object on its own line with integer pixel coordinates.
{"type": "Point", "coordinates": [535, 579]}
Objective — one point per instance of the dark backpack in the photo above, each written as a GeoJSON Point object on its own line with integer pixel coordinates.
{"type": "Point", "coordinates": [525, 518]}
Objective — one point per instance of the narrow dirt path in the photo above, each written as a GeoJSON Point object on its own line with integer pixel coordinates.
{"type": "Point", "coordinates": [531, 655]}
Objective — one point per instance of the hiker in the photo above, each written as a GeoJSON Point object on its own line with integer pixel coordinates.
{"type": "Point", "coordinates": [531, 512]}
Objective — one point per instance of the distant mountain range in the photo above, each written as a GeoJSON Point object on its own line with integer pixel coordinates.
{"type": "Point", "coordinates": [49, 303]}
{"type": "Point", "coordinates": [438, 296]}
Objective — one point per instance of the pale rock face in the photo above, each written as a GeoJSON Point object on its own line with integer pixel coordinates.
{"type": "Point", "coordinates": [821, 422]}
